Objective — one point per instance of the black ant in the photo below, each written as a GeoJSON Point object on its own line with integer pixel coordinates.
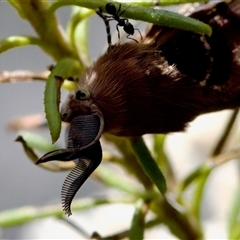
{"type": "Point", "coordinates": [122, 22]}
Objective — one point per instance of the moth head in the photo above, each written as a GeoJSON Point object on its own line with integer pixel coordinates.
{"type": "Point", "coordinates": [84, 117]}
{"type": "Point", "coordinates": [78, 103]}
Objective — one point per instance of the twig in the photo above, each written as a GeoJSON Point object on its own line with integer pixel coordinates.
{"type": "Point", "coordinates": [27, 122]}
{"type": "Point", "coordinates": [116, 236]}
{"type": "Point", "coordinates": [208, 166]}
{"type": "Point", "coordinates": [124, 234]}
{"type": "Point", "coordinates": [23, 215]}
{"type": "Point", "coordinates": [22, 76]}
{"type": "Point", "coordinates": [222, 140]}
{"type": "Point", "coordinates": [75, 227]}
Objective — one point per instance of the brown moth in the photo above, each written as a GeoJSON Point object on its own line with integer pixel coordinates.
{"type": "Point", "coordinates": [164, 82]}
{"type": "Point", "coordinates": [157, 85]}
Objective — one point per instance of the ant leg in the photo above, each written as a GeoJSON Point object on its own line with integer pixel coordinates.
{"type": "Point", "coordinates": [139, 32]}
{"type": "Point", "coordinates": [109, 38]}
{"type": "Point", "coordinates": [119, 9]}
{"type": "Point", "coordinates": [120, 14]}
{"type": "Point", "coordinates": [106, 21]}
{"type": "Point", "coordinates": [131, 38]}
{"type": "Point", "coordinates": [118, 31]}
{"type": "Point", "coordinates": [99, 12]}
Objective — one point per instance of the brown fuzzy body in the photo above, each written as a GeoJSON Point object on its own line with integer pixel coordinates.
{"type": "Point", "coordinates": [164, 82]}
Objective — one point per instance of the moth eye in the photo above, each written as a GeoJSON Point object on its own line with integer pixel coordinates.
{"type": "Point", "coordinates": [64, 116]}
{"type": "Point", "coordinates": [82, 94]}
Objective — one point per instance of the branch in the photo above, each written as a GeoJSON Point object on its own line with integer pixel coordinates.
{"type": "Point", "coordinates": [22, 76]}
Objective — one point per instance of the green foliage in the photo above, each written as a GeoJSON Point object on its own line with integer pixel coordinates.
{"type": "Point", "coordinates": [70, 51]}
{"type": "Point", "coordinates": [65, 68]}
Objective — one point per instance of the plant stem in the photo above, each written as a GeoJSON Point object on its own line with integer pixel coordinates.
{"type": "Point", "coordinates": [19, 216]}
{"type": "Point", "coordinates": [53, 40]}
{"type": "Point", "coordinates": [223, 139]}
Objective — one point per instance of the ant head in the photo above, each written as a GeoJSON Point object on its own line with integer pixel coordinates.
{"type": "Point", "coordinates": [110, 8]}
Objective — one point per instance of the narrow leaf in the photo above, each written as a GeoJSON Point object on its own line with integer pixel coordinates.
{"type": "Point", "coordinates": [115, 180]}
{"type": "Point", "coordinates": [168, 19]}
{"type": "Point", "coordinates": [34, 141]}
{"type": "Point", "coordinates": [28, 150]}
{"type": "Point", "coordinates": [18, 41]}
{"type": "Point", "coordinates": [77, 30]}
{"type": "Point", "coordinates": [151, 15]}
{"type": "Point", "coordinates": [65, 68]}
{"type": "Point", "coordinates": [51, 103]}
{"type": "Point", "coordinates": [23, 215]}
{"type": "Point", "coordinates": [234, 217]}
{"type": "Point", "coordinates": [138, 221]}
{"type": "Point", "coordinates": [148, 164]}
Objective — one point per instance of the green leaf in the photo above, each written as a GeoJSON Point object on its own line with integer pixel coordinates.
{"type": "Point", "coordinates": [34, 141]}
{"type": "Point", "coordinates": [130, 161]}
{"type": "Point", "coordinates": [234, 217]}
{"type": "Point", "coordinates": [77, 30]}
{"type": "Point", "coordinates": [81, 40]}
{"type": "Point", "coordinates": [18, 41]}
{"type": "Point", "coordinates": [23, 215]}
{"type": "Point", "coordinates": [112, 179]}
{"type": "Point", "coordinates": [167, 19]}
{"type": "Point", "coordinates": [28, 150]}
{"type": "Point", "coordinates": [162, 159]}
{"type": "Point", "coordinates": [167, 2]}
{"type": "Point", "coordinates": [64, 69]}
{"type": "Point", "coordinates": [51, 103]}
{"type": "Point", "coordinates": [159, 153]}
{"type": "Point", "coordinates": [151, 15]}
{"type": "Point", "coordinates": [138, 221]}
{"type": "Point", "coordinates": [148, 164]}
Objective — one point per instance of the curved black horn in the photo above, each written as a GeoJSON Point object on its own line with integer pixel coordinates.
{"type": "Point", "coordinates": [85, 165]}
